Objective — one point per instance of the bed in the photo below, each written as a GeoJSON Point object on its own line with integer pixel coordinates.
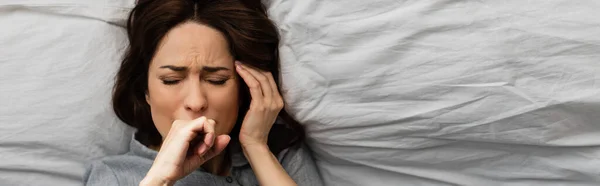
{"type": "Point", "coordinates": [390, 92]}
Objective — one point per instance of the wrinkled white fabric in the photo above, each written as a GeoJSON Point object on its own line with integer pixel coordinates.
{"type": "Point", "coordinates": [445, 92]}
{"type": "Point", "coordinates": [57, 63]}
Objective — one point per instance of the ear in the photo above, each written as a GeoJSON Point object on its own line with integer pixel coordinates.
{"type": "Point", "coordinates": [147, 98]}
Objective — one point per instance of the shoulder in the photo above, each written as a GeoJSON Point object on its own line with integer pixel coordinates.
{"type": "Point", "coordinates": [294, 154]}
{"type": "Point", "coordinates": [298, 162]}
{"type": "Point", "coordinates": [117, 170]}
{"type": "Point", "coordinates": [99, 173]}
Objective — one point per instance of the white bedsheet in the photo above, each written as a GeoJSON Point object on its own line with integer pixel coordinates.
{"type": "Point", "coordinates": [57, 63]}
{"type": "Point", "coordinates": [392, 92]}
{"type": "Point", "coordinates": [445, 92]}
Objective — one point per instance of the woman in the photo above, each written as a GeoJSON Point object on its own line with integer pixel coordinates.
{"type": "Point", "coordinates": [197, 84]}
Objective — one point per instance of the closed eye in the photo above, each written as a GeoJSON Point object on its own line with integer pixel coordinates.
{"type": "Point", "coordinates": [217, 82]}
{"type": "Point", "coordinates": [170, 82]}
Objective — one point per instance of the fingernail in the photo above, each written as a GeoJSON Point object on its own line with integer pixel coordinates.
{"type": "Point", "coordinates": [211, 121]}
{"type": "Point", "coordinates": [238, 64]}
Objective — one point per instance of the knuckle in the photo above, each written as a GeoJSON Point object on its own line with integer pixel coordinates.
{"type": "Point", "coordinates": [253, 85]}
{"type": "Point", "coordinates": [262, 78]}
{"type": "Point", "coordinates": [280, 104]}
{"type": "Point", "coordinates": [210, 122]}
{"type": "Point", "coordinates": [210, 126]}
{"type": "Point", "coordinates": [259, 108]}
{"type": "Point", "coordinates": [202, 121]}
{"type": "Point", "coordinates": [276, 107]}
{"type": "Point", "coordinates": [271, 105]}
{"type": "Point", "coordinates": [279, 100]}
{"type": "Point", "coordinates": [268, 74]}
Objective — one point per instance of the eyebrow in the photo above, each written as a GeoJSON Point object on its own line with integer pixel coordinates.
{"type": "Point", "coordinates": [175, 68]}
{"type": "Point", "coordinates": [213, 69]}
{"type": "Point", "coordinates": [204, 68]}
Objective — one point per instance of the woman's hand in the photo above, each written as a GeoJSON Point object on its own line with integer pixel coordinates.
{"type": "Point", "coordinates": [264, 107]}
{"type": "Point", "coordinates": [173, 161]}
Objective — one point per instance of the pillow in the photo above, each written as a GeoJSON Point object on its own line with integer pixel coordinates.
{"type": "Point", "coordinates": [57, 64]}
{"type": "Point", "coordinates": [445, 92]}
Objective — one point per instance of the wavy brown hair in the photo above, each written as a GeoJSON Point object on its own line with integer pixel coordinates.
{"type": "Point", "coordinates": [252, 39]}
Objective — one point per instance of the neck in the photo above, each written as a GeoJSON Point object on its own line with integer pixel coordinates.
{"type": "Point", "coordinates": [217, 165]}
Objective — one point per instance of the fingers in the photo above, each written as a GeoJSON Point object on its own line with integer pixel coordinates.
{"type": "Point", "coordinates": [189, 144]}
{"type": "Point", "coordinates": [183, 137]}
{"type": "Point", "coordinates": [197, 125]}
{"type": "Point", "coordinates": [220, 144]}
{"type": "Point", "coordinates": [208, 137]}
{"type": "Point", "coordinates": [178, 125]}
{"type": "Point", "coordinates": [200, 125]}
{"type": "Point", "coordinates": [201, 157]}
{"type": "Point", "coordinates": [263, 81]}
{"type": "Point", "coordinates": [256, 78]}
{"type": "Point", "coordinates": [253, 84]}
{"type": "Point", "coordinates": [209, 129]}
{"type": "Point", "coordinates": [277, 99]}
{"type": "Point", "coordinates": [201, 148]}
{"type": "Point", "coordinates": [271, 81]}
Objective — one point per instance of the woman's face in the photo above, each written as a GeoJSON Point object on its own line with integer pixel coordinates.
{"type": "Point", "coordinates": [191, 75]}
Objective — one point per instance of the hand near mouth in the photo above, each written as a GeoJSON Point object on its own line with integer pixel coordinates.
{"type": "Point", "coordinates": [187, 146]}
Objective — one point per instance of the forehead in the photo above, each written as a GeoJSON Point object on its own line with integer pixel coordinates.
{"type": "Point", "coordinates": [193, 44]}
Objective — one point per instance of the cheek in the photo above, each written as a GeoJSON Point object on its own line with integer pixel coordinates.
{"type": "Point", "coordinates": [224, 104]}
{"type": "Point", "coordinates": [163, 104]}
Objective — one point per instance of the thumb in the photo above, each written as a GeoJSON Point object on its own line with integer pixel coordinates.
{"type": "Point", "coordinates": [221, 143]}
{"type": "Point", "coordinates": [203, 154]}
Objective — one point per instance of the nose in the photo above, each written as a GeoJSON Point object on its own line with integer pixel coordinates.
{"type": "Point", "coordinates": [195, 100]}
